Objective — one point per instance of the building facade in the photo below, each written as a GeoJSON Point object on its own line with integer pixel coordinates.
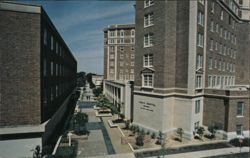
{"type": "Point", "coordinates": [119, 48]}
{"type": "Point", "coordinates": [38, 70]}
{"type": "Point", "coordinates": [192, 66]}
{"type": "Point", "coordinates": [119, 42]}
{"type": "Point", "coordinates": [97, 80]}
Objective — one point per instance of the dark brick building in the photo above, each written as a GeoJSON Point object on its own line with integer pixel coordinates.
{"type": "Point", "coordinates": [192, 66]}
{"type": "Point", "coordinates": [38, 70]}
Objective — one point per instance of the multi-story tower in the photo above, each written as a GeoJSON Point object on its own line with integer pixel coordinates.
{"type": "Point", "coordinates": [38, 73]}
{"type": "Point", "coordinates": [119, 42]}
{"type": "Point", "coordinates": [190, 58]}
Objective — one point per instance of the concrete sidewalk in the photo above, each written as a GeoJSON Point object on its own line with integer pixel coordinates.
{"type": "Point", "coordinates": [207, 153]}
{"type": "Point", "coordinates": [126, 155]}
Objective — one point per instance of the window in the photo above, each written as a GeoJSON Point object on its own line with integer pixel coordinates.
{"type": "Point", "coordinates": [147, 80]}
{"type": "Point", "coordinates": [221, 15]}
{"type": "Point", "coordinates": [51, 94]}
{"type": "Point", "coordinates": [215, 63]}
{"type": "Point", "coordinates": [148, 3]}
{"type": "Point", "coordinates": [122, 33]}
{"type": "Point", "coordinates": [56, 69]}
{"type": "Point", "coordinates": [132, 63]}
{"type": "Point", "coordinates": [56, 90]}
{"type": "Point", "coordinates": [132, 56]}
{"type": "Point", "coordinates": [212, 7]}
{"type": "Point", "coordinates": [132, 71]}
{"type": "Point", "coordinates": [51, 68]}
{"type": "Point", "coordinates": [239, 130]}
{"type": "Point", "coordinates": [212, 26]}
{"type": "Point", "coordinates": [211, 44]}
{"type": "Point", "coordinates": [121, 48]}
{"type": "Point", "coordinates": [121, 63]}
{"type": "Point", "coordinates": [132, 77]}
{"type": "Point", "coordinates": [111, 71]}
{"type": "Point", "coordinates": [199, 61]}
{"type": "Point", "coordinates": [121, 56]}
{"type": "Point", "coordinates": [132, 40]}
{"type": "Point", "coordinates": [45, 34]}
{"type": "Point", "coordinates": [112, 56]}
{"type": "Point", "coordinates": [209, 81]}
{"type": "Point", "coordinates": [148, 40]}
{"type": "Point", "coordinates": [217, 28]}
{"type": "Point", "coordinates": [218, 81]}
{"type": "Point", "coordinates": [148, 60]}
{"type": "Point", "coordinates": [122, 40]}
{"type": "Point", "coordinates": [221, 31]}
{"type": "Point", "coordinates": [200, 18]}
{"type": "Point", "coordinates": [112, 33]}
{"type": "Point", "coordinates": [148, 20]}
{"type": "Point", "coordinates": [132, 33]}
{"type": "Point", "coordinates": [132, 48]}
{"type": "Point", "coordinates": [240, 108]}
{"type": "Point", "coordinates": [219, 65]}
{"type": "Point", "coordinates": [213, 81]}
{"type": "Point", "coordinates": [44, 67]}
{"type": "Point", "coordinates": [111, 63]}
{"type": "Point", "coordinates": [198, 81]}
{"type": "Point", "coordinates": [210, 63]}
{"type": "Point", "coordinates": [197, 106]}
{"type": "Point", "coordinates": [200, 40]}
{"type": "Point", "coordinates": [216, 45]}
{"type": "Point", "coordinates": [112, 41]}
{"type": "Point", "coordinates": [51, 43]}
{"type": "Point", "coordinates": [221, 47]}
{"type": "Point", "coordinates": [112, 48]}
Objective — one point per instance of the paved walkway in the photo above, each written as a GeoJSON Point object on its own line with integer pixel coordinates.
{"type": "Point", "coordinates": [207, 153]}
{"type": "Point", "coordinates": [126, 155]}
{"type": "Point", "coordinates": [95, 144]}
{"type": "Point", "coordinates": [115, 137]}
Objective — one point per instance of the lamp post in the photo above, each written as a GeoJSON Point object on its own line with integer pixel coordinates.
{"type": "Point", "coordinates": [69, 136]}
{"type": "Point", "coordinates": [240, 141]}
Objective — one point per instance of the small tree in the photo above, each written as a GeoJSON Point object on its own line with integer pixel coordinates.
{"type": "Point", "coordinates": [37, 152]}
{"type": "Point", "coordinates": [200, 132]}
{"type": "Point", "coordinates": [180, 133]}
{"type": "Point", "coordinates": [212, 129]}
{"type": "Point", "coordinates": [153, 135]}
{"type": "Point", "coordinates": [140, 139]}
{"type": "Point", "coordinates": [160, 138]}
{"type": "Point", "coordinates": [127, 123]}
{"type": "Point", "coordinates": [103, 102]}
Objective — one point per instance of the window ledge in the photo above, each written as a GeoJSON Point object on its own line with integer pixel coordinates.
{"type": "Point", "coordinates": [148, 46]}
{"type": "Point", "coordinates": [239, 116]}
{"type": "Point", "coordinates": [147, 87]}
{"type": "Point", "coordinates": [148, 25]}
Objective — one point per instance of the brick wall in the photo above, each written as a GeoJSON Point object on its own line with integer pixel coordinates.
{"type": "Point", "coordinates": [20, 68]}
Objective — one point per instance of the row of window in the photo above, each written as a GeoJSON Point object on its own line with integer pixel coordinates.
{"type": "Point", "coordinates": [220, 81]}
{"type": "Point", "coordinates": [222, 65]}
{"type": "Point", "coordinates": [121, 71]}
{"type": "Point", "coordinates": [121, 41]}
{"type": "Point", "coordinates": [126, 71]}
{"type": "Point", "coordinates": [122, 33]}
{"type": "Point", "coordinates": [223, 33]}
{"type": "Point", "coordinates": [126, 77]}
{"type": "Point", "coordinates": [125, 63]}
{"type": "Point", "coordinates": [54, 45]}
{"type": "Point", "coordinates": [132, 56]}
{"type": "Point", "coordinates": [223, 49]}
{"type": "Point", "coordinates": [112, 48]}
{"type": "Point", "coordinates": [55, 69]}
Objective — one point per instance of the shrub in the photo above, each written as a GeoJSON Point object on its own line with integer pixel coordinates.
{"type": "Point", "coordinates": [140, 140]}
{"type": "Point", "coordinates": [200, 131]}
{"type": "Point", "coordinates": [127, 123]}
{"type": "Point", "coordinates": [148, 133]}
{"type": "Point", "coordinates": [180, 133]}
{"type": "Point", "coordinates": [153, 135]}
{"type": "Point", "coordinates": [236, 142]}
